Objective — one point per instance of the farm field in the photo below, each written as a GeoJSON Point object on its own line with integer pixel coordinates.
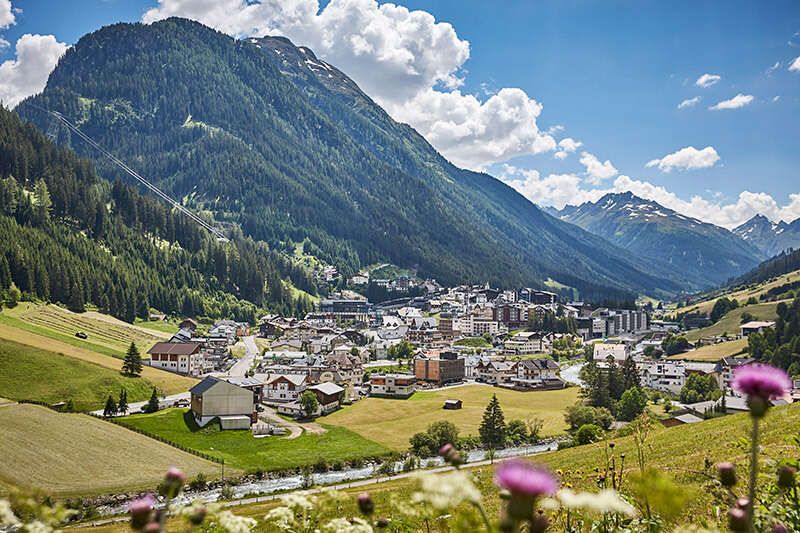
{"type": "Point", "coordinates": [730, 322]}
{"type": "Point", "coordinates": [680, 452]}
{"type": "Point", "coordinates": [713, 352]}
{"type": "Point", "coordinates": [167, 382]}
{"type": "Point", "coordinates": [392, 422]}
{"type": "Point", "coordinates": [74, 454]}
{"type": "Point", "coordinates": [34, 374]}
{"type": "Point", "coordinates": [241, 450]}
{"type": "Point", "coordinates": [742, 295]}
{"type": "Point", "coordinates": [106, 334]}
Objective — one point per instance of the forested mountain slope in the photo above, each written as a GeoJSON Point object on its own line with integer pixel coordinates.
{"type": "Point", "coordinates": [68, 236]}
{"type": "Point", "coordinates": [288, 148]}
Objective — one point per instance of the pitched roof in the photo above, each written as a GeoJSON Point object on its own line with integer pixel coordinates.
{"type": "Point", "coordinates": [175, 348]}
{"type": "Point", "coordinates": [203, 386]}
{"type": "Point", "coordinates": [328, 388]}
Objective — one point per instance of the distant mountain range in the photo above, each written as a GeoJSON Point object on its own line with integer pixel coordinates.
{"type": "Point", "coordinates": [770, 237]}
{"type": "Point", "coordinates": [264, 136]}
{"type": "Point", "coordinates": [703, 254]}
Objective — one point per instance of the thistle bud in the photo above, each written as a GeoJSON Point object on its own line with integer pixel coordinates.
{"type": "Point", "coordinates": [779, 528]}
{"type": "Point", "coordinates": [727, 474]}
{"type": "Point", "coordinates": [743, 503]}
{"type": "Point", "coordinates": [197, 515]}
{"type": "Point", "coordinates": [539, 524]}
{"type": "Point", "coordinates": [173, 483]}
{"type": "Point", "coordinates": [365, 504]}
{"type": "Point", "coordinates": [737, 519]}
{"type": "Point", "coordinates": [152, 527]}
{"type": "Point", "coordinates": [382, 523]}
{"type": "Point", "coordinates": [786, 476]}
{"type": "Point", "coordinates": [141, 511]}
{"type": "Point", "coordinates": [451, 455]}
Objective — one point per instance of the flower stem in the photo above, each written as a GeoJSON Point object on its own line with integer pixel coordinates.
{"type": "Point", "coordinates": [753, 470]}
{"type": "Point", "coordinates": [485, 518]}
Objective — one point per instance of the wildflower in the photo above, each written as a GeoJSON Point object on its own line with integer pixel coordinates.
{"type": "Point", "coordinates": [727, 474]}
{"type": "Point", "coordinates": [152, 527]}
{"type": "Point", "coordinates": [786, 476]}
{"type": "Point", "coordinates": [606, 501]}
{"type": "Point", "coordinates": [365, 504]}
{"type": "Point", "coordinates": [760, 383]}
{"type": "Point", "coordinates": [37, 527]}
{"type": "Point", "coordinates": [539, 524]}
{"type": "Point", "coordinates": [738, 519]}
{"type": "Point", "coordinates": [7, 517]}
{"type": "Point", "coordinates": [445, 491]}
{"type": "Point", "coordinates": [141, 511]}
{"type": "Point", "coordinates": [451, 455]}
{"type": "Point", "coordinates": [526, 482]}
{"type": "Point", "coordinates": [282, 517]}
{"type": "Point", "coordinates": [382, 523]}
{"type": "Point", "coordinates": [342, 525]}
{"type": "Point", "coordinates": [173, 483]}
{"type": "Point", "coordinates": [779, 528]}
{"type": "Point", "coordinates": [195, 513]}
{"type": "Point", "coordinates": [235, 524]}
{"type": "Point", "coordinates": [297, 501]}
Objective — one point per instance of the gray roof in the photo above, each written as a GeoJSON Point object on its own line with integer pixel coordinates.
{"type": "Point", "coordinates": [203, 386]}
{"type": "Point", "coordinates": [328, 388]}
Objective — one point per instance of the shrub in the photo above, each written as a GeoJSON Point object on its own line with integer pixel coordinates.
{"type": "Point", "coordinates": [588, 433]}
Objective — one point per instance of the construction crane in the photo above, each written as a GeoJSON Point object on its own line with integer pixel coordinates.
{"type": "Point", "coordinates": [61, 119]}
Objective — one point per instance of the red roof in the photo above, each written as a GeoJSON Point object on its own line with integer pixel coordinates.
{"type": "Point", "coordinates": [175, 348]}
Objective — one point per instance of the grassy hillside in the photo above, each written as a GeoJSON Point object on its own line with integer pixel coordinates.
{"type": "Point", "coordinates": [241, 450]}
{"type": "Point", "coordinates": [713, 352]}
{"type": "Point", "coordinates": [69, 454]}
{"type": "Point", "coordinates": [731, 321]}
{"type": "Point", "coordinates": [166, 382]}
{"type": "Point", "coordinates": [28, 373]}
{"type": "Point", "coordinates": [378, 418]}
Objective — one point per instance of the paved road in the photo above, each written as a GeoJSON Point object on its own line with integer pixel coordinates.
{"type": "Point", "coordinates": [242, 366]}
{"type": "Point", "coordinates": [136, 407]}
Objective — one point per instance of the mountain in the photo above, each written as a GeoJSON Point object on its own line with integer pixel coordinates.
{"type": "Point", "coordinates": [71, 237]}
{"type": "Point", "coordinates": [265, 136]}
{"type": "Point", "coordinates": [703, 254]}
{"type": "Point", "coordinates": [770, 237]}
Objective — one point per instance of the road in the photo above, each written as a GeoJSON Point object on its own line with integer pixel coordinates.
{"type": "Point", "coordinates": [243, 365]}
{"type": "Point", "coordinates": [136, 407]}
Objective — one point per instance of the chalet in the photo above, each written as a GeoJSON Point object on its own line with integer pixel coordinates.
{"type": "Point", "coordinates": [526, 343]}
{"type": "Point", "coordinates": [284, 387]}
{"type": "Point", "coordinates": [603, 350]}
{"type": "Point", "coordinates": [329, 396]}
{"type": "Point", "coordinates": [180, 357]}
{"type": "Point", "coordinates": [287, 345]}
{"type": "Point", "coordinates": [188, 323]}
{"type": "Point", "coordinates": [392, 385]}
{"type": "Point", "coordinates": [495, 371]}
{"type": "Point", "coordinates": [214, 397]}
{"type": "Point", "coordinates": [533, 374]}
{"type": "Point", "coordinates": [755, 327]}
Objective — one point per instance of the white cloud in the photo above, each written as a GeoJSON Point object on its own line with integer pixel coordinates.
{"type": "Point", "coordinates": [26, 75]}
{"type": "Point", "coordinates": [773, 68]}
{"type": "Point", "coordinates": [707, 80]}
{"type": "Point", "coordinates": [686, 158]}
{"type": "Point", "coordinates": [689, 102]}
{"type": "Point", "coordinates": [596, 170]}
{"type": "Point", "coordinates": [407, 61]}
{"type": "Point", "coordinates": [740, 100]}
{"type": "Point", "coordinates": [7, 17]}
{"type": "Point", "coordinates": [566, 146]}
{"type": "Point", "coordinates": [795, 66]}
{"type": "Point", "coordinates": [559, 190]}
{"type": "Point", "coordinates": [776, 98]}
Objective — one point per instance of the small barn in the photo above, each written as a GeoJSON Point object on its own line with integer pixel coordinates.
{"type": "Point", "coordinates": [452, 404]}
{"type": "Point", "coordinates": [214, 397]}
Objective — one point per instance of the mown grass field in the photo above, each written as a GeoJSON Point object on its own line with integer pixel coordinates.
{"type": "Point", "coordinates": [679, 452]}
{"type": "Point", "coordinates": [74, 454]}
{"type": "Point", "coordinates": [392, 422]}
{"type": "Point", "coordinates": [106, 334]}
{"type": "Point", "coordinates": [730, 322]}
{"type": "Point", "coordinates": [241, 450]}
{"type": "Point", "coordinates": [713, 352]}
{"type": "Point", "coordinates": [166, 382]}
{"type": "Point", "coordinates": [742, 295]}
{"type": "Point", "coordinates": [33, 374]}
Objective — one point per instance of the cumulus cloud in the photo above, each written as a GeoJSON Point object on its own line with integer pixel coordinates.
{"type": "Point", "coordinates": [740, 100]}
{"type": "Point", "coordinates": [795, 66]}
{"type": "Point", "coordinates": [597, 171]}
{"type": "Point", "coordinates": [7, 17]}
{"type": "Point", "coordinates": [566, 146]}
{"type": "Point", "coordinates": [559, 190]}
{"type": "Point", "coordinates": [409, 62]}
{"type": "Point", "coordinates": [689, 102]}
{"type": "Point", "coordinates": [26, 75]}
{"type": "Point", "coordinates": [686, 158]}
{"type": "Point", "coordinates": [707, 80]}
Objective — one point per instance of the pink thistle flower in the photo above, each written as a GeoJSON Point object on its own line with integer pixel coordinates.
{"type": "Point", "coordinates": [141, 510]}
{"type": "Point", "coordinates": [761, 381]}
{"type": "Point", "coordinates": [522, 477]}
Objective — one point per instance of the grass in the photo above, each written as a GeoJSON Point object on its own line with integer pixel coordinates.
{"type": "Point", "coordinates": [731, 321]}
{"type": "Point", "coordinates": [473, 342]}
{"type": "Point", "coordinates": [713, 352]}
{"type": "Point", "coordinates": [680, 452]}
{"type": "Point", "coordinates": [73, 454]}
{"type": "Point", "coordinates": [743, 294]}
{"type": "Point", "coordinates": [392, 422]}
{"type": "Point", "coordinates": [241, 450]}
{"type": "Point", "coordinates": [106, 334]}
{"type": "Point", "coordinates": [166, 382]}
{"type": "Point", "coordinates": [33, 374]}
{"type": "Point", "coordinates": [160, 326]}
{"type": "Point", "coordinates": [238, 350]}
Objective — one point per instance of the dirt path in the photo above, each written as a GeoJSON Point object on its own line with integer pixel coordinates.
{"type": "Point", "coordinates": [295, 428]}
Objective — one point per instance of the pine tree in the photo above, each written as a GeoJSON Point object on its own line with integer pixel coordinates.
{"type": "Point", "coordinates": [132, 363]}
{"type": "Point", "coordinates": [122, 404]}
{"type": "Point", "coordinates": [630, 376]}
{"type": "Point", "coordinates": [493, 426]}
{"type": "Point", "coordinates": [111, 407]}
{"type": "Point", "coordinates": [152, 403]}
{"type": "Point", "coordinates": [599, 395]}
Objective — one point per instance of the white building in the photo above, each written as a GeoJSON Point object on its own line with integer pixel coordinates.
{"type": "Point", "coordinates": [284, 387]}
{"type": "Point", "coordinates": [526, 343]}
{"type": "Point", "coordinates": [604, 350]}
{"type": "Point", "coordinates": [662, 375]}
{"type": "Point", "coordinates": [179, 357]}
{"type": "Point", "coordinates": [392, 385]}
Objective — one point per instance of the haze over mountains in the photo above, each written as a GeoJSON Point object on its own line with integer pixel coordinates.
{"type": "Point", "coordinates": [703, 253]}
{"type": "Point", "coordinates": [265, 136]}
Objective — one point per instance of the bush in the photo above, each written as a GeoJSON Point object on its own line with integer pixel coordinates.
{"type": "Point", "coordinates": [588, 433]}
{"type": "Point", "coordinates": [632, 404]}
{"type": "Point", "coordinates": [579, 415]}
{"type": "Point", "coordinates": [199, 482]}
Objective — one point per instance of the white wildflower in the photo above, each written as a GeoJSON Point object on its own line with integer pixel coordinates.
{"type": "Point", "coordinates": [282, 517]}
{"type": "Point", "coordinates": [445, 491]}
{"type": "Point", "coordinates": [7, 517]}
{"type": "Point", "coordinates": [297, 501]}
{"type": "Point", "coordinates": [37, 527]}
{"type": "Point", "coordinates": [342, 525]}
{"type": "Point", "coordinates": [233, 523]}
{"type": "Point", "coordinates": [606, 501]}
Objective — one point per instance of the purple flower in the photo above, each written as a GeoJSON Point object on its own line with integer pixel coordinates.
{"type": "Point", "coordinates": [141, 511]}
{"type": "Point", "coordinates": [761, 381]}
{"type": "Point", "coordinates": [176, 475]}
{"type": "Point", "coordinates": [173, 482]}
{"type": "Point", "coordinates": [522, 477]}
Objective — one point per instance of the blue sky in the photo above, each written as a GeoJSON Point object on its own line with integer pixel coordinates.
{"type": "Point", "coordinates": [500, 88]}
